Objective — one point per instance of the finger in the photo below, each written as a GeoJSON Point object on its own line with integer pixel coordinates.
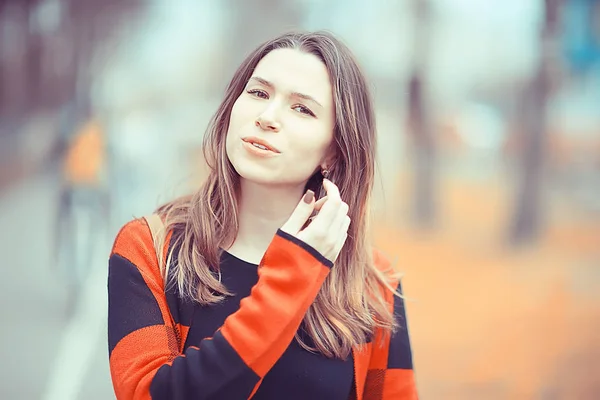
{"type": "Point", "coordinates": [335, 227]}
{"type": "Point", "coordinates": [330, 207]}
{"type": "Point", "coordinates": [332, 190]}
{"type": "Point", "coordinates": [324, 219]}
{"type": "Point", "coordinates": [300, 214]}
{"type": "Point", "coordinates": [320, 203]}
{"type": "Point", "coordinates": [343, 237]}
{"type": "Point", "coordinates": [339, 246]}
{"type": "Point", "coordinates": [340, 222]}
{"type": "Point", "coordinates": [318, 206]}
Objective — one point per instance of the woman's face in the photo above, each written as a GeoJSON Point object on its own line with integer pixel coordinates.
{"type": "Point", "coordinates": [287, 108]}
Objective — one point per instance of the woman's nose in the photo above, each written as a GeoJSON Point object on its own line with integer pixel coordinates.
{"type": "Point", "coordinates": [268, 121]}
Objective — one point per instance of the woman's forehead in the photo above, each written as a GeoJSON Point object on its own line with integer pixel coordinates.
{"type": "Point", "coordinates": [294, 71]}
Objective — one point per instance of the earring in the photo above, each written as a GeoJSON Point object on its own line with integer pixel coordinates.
{"type": "Point", "coordinates": [325, 173]}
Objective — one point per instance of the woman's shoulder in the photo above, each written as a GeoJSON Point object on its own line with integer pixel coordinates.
{"type": "Point", "coordinates": [134, 233]}
{"type": "Point", "coordinates": [383, 264]}
{"type": "Point", "coordinates": [135, 244]}
{"type": "Point", "coordinates": [388, 273]}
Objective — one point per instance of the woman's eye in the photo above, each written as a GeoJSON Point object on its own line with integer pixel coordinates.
{"type": "Point", "coordinates": [258, 93]}
{"type": "Point", "coordinates": [302, 109]}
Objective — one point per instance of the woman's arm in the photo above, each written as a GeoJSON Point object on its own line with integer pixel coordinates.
{"type": "Point", "coordinates": [145, 360]}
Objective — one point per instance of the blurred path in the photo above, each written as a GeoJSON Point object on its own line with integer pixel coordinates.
{"type": "Point", "coordinates": [50, 355]}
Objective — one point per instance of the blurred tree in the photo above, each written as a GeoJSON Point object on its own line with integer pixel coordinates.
{"type": "Point", "coordinates": [46, 47]}
{"type": "Point", "coordinates": [253, 22]}
{"type": "Point", "coordinates": [527, 218]}
{"type": "Point", "coordinates": [419, 119]}
{"type": "Point", "coordinates": [14, 21]}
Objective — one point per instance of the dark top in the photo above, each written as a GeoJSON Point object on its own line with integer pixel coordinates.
{"type": "Point", "coordinates": [298, 374]}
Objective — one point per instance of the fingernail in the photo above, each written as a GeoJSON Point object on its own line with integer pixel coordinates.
{"type": "Point", "coordinates": [308, 197]}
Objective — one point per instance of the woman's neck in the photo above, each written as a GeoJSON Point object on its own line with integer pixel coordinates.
{"type": "Point", "coordinates": [262, 210]}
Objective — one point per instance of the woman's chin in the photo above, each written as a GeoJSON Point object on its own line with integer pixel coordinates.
{"type": "Point", "coordinates": [257, 174]}
{"type": "Point", "coordinates": [264, 175]}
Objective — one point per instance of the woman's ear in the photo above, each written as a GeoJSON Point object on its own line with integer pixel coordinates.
{"type": "Point", "coordinates": [330, 160]}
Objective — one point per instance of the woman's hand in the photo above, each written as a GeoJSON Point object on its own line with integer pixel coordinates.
{"type": "Point", "coordinates": [328, 230]}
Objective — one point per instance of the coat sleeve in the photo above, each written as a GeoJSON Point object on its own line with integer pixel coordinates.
{"type": "Point", "coordinates": [390, 375]}
{"type": "Point", "coordinates": [144, 356]}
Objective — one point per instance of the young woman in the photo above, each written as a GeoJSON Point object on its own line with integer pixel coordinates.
{"type": "Point", "coordinates": [265, 284]}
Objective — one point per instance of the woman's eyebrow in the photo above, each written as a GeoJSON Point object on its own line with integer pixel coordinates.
{"type": "Point", "coordinates": [293, 94]}
{"type": "Point", "coordinates": [263, 81]}
{"type": "Point", "coordinates": [306, 97]}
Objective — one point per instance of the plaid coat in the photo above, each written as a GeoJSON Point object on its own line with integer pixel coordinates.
{"type": "Point", "coordinates": [148, 326]}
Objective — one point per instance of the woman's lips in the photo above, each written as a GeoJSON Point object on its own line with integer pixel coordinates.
{"type": "Point", "coordinates": [261, 142]}
{"type": "Point", "coordinates": [256, 151]}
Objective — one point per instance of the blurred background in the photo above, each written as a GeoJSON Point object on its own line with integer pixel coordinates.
{"type": "Point", "coordinates": [488, 191]}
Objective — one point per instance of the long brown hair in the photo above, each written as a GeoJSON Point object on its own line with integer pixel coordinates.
{"type": "Point", "coordinates": [351, 303]}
